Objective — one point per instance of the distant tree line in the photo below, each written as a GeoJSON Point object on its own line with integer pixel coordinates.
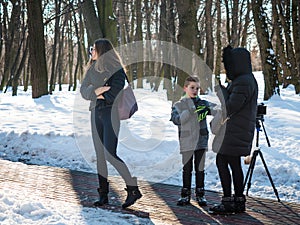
{"type": "Point", "coordinates": [44, 44]}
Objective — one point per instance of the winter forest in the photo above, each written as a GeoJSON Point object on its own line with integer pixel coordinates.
{"type": "Point", "coordinates": [44, 44]}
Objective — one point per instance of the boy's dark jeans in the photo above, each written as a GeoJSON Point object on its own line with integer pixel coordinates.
{"type": "Point", "coordinates": [187, 160]}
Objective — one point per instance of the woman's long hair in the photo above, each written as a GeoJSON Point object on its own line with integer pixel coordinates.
{"type": "Point", "coordinates": [108, 58]}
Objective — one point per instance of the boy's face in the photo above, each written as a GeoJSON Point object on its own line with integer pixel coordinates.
{"type": "Point", "coordinates": [192, 89]}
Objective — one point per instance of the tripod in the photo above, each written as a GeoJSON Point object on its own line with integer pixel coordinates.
{"type": "Point", "coordinates": [255, 154]}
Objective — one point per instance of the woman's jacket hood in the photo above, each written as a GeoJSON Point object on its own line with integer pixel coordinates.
{"type": "Point", "coordinates": [236, 61]}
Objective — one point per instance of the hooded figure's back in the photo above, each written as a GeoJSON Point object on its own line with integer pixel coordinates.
{"type": "Point", "coordinates": [241, 101]}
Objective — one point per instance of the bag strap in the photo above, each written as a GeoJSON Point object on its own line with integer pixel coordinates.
{"type": "Point", "coordinates": [126, 77]}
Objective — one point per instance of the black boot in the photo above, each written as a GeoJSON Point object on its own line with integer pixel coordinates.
{"type": "Point", "coordinates": [227, 206]}
{"type": "Point", "coordinates": [240, 204]}
{"type": "Point", "coordinates": [200, 188]}
{"type": "Point", "coordinates": [200, 192]}
{"type": "Point", "coordinates": [133, 194]}
{"type": "Point", "coordinates": [185, 197]}
{"type": "Point", "coordinates": [103, 191]}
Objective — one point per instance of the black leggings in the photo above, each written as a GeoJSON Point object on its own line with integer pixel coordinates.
{"type": "Point", "coordinates": [108, 127]}
{"type": "Point", "coordinates": [223, 161]}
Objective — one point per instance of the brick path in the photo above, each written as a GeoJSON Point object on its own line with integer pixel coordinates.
{"type": "Point", "coordinates": [158, 202]}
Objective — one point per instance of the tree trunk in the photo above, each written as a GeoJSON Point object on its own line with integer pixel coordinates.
{"type": "Point", "coordinates": [26, 74]}
{"type": "Point", "coordinates": [39, 77]}
{"type": "Point", "coordinates": [167, 84]}
{"type": "Point", "coordinates": [16, 69]}
{"type": "Point", "coordinates": [122, 22]}
{"type": "Point", "coordinates": [172, 34]}
{"type": "Point", "coordinates": [234, 41]}
{"type": "Point", "coordinates": [79, 64]}
{"type": "Point", "coordinates": [11, 44]}
{"type": "Point", "coordinates": [92, 22]}
{"type": "Point", "coordinates": [108, 21]}
{"type": "Point", "coordinates": [282, 68]}
{"type": "Point", "coordinates": [290, 53]}
{"type": "Point", "coordinates": [269, 64]}
{"type": "Point", "coordinates": [54, 46]}
{"type": "Point", "coordinates": [148, 47]}
{"type": "Point", "coordinates": [185, 37]}
{"type": "Point", "coordinates": [71, 49]}
{"type": "Point", "coordinates": [209, 35]}
{"type": "Point", "coordinates": [19, 70]}
{"type": "Point", "coordinates": [139, 37]}
{"type": "Point", "coordinates": [246, 25]}
{"type": "Point", "coordinates": [296, 37]}
{"type": "Point", "coordinates": [1, 30]}
{"type": "Point", "coordinates": [60, 58]}
{"type": "Point", "coordinates": [228, 29]}
{"type": "Point", "coordinates": [218, 40]}
{"type": "Point", "coordinates": [132, 12]}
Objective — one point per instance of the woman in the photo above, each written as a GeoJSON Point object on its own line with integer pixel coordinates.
{"type": "Point", "coordinates": [239, 100]}
{"type": "Point", "coordinates": [103, 81]}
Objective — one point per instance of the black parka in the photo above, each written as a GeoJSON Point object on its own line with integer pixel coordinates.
{"type": "Point", "coordinates": [240, 100]}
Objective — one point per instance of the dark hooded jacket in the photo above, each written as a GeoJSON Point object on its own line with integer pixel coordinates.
{"type": "Point", "coordinates": [240, 101]}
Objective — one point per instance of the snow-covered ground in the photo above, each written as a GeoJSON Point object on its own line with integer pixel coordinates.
{"type": "Point", "coordinates": [54, 130]}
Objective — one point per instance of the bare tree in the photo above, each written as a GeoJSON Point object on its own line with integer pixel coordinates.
{"type": "Point", "coordinates": [139, 37]}
{"type": "Point", "coordinates": [209, 35]}
{"type": "Point", "coordinates": [268, 58]}
{"type": "Point", "coordinates": [282, 69]}
{"type": "Point", "coordinates": [1, 30]}
{"type": "Point", "coordinates": [218, 41]}
{"type": "Point", "coordinates": [80, 52]}
{"type": "Point", "coordinates": [186, 34]}
{"type": "Point", "coordinates": [39, 77]}
{"type": "Point", "coordinates": [234, 40]}
{"type": "Point", "coordinates": [108, 22]}
{"type": "Point", "coordinates": [296, 37]}
{"type": "Point", "coordinates": [92, 22]}
{"type": "Point", "coordinates": [285, 18]}
{"type": "Point", "coordinates": [11, 39]}
{"type": "Point", "coordinates": [54, 46]}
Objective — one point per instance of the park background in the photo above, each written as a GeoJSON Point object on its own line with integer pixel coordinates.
{"type": "Point", "coordinates": [43, 56]}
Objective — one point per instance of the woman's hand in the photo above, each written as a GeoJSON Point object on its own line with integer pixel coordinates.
{"type": "Point", "coordinates": [99, 91]}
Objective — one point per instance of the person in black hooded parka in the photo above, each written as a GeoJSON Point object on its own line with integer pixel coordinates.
{"type": "Point", "coordinates": [239, 100]}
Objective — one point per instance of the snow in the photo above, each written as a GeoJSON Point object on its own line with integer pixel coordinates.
{"type": "Point", "coordinates": [54, 130]}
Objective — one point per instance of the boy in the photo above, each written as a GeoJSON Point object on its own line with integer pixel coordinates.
{"type": "Point", "coordinates": [189, 114]}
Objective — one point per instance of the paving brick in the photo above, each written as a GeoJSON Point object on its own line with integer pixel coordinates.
{"type": "Point", "coordinates": [158, 201]}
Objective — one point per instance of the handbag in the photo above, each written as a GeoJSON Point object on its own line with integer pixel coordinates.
{"type": "Point", "coordinates": [217, 122]}
{"type": "Point", "coordinates": [217, 126]}
{"type": "Point", "coordinates": [127, 104]}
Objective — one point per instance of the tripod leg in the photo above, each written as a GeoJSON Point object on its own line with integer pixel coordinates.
{"type": "Point", "coordinates": [250, 171]}
{"type": "Point", "coordinates": [269, 175]}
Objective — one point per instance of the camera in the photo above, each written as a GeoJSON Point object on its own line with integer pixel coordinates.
{"type": "Point", "coordinates": [261, 110]}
